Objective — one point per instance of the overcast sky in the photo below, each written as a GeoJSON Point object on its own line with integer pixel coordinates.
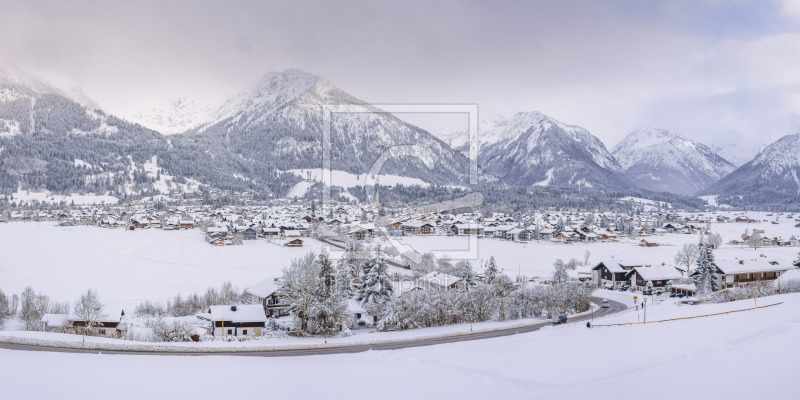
{"type": "Point", "coordinates": [723, 72]}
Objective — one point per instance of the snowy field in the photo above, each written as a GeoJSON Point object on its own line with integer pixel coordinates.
{"type": "Point", "coordinates": [128, 267]}
{"type": "Point", "coordinates": [745, 355]}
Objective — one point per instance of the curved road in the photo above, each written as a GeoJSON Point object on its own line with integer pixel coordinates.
{"type": "Point", "coordinates": [614, 307]}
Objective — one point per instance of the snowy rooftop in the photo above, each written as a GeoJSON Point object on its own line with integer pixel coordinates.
{"type": "Point", "coordinates": [264, 288]}
{"type": "Point", "coordinates": [440, 279]}
{"type": "Point", "coordinates": [243, 313]}
{"type": "Point", "coordinates": [658, 273]}
{"type": "Point", "coordinates": [746, 266]}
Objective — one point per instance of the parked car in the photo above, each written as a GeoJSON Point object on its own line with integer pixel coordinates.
{"type": "Point", "coordinates": [673, 294]}
{"type": "Point", "coordinates": [604, 303]}
{"type": "Point", "coordinates": [560, 319]}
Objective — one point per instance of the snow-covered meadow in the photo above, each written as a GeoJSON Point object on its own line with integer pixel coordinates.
{"type": "Point", "coordinates": [128, 267]}
{"type": "Point", "coordinates": [743, 355]}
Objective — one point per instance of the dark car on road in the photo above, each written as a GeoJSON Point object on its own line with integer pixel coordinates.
{"type": "Point", "coordinates": [560, 319]}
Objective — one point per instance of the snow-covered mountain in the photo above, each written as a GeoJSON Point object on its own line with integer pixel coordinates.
{"type": "Point", "coordinates": [772, 176]}
{"type": "Point", "coordinates": [50, 142]}
{"type": "Point", "coordinates": [280, 122]}
{"type": "Point", "coordinates": [532, 149]}
{"type": "Point", "coordinates": [660, 160]}
{"type": "Point", "coordinates": [176, 116]}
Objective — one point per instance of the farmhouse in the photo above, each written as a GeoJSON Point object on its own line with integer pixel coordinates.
{"type": "Point", "coordinates": [108, 324]}
{"type": "Point", "coordinates": [659, 275]}
{"type": "Point", "coordinates": [613, 273]}
{"type": "Point", "coordinates": [732, 272]}
{"type": "Point", "coordinates": [266, 292]}
{"type": "Point", "coordinates": [238, 320]}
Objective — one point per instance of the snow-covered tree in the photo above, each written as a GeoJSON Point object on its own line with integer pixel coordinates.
{"type": "Point", "coordinates": [30, 311]}
{"type": "Point", "coordinates": [5, 309]}
{"type": "Point", "coordinates": [668, 286]}
{"type": "Point", "coordinates": [648, 288]}
{"type": "Point", "coordinates": [705, 273]}
{"type": "Point", "coordinates": [687, 256]}
{"type": "Point", "coordinates": [560, 271]}
{"type": "Point", "coordinates": [329, 305]}
{"type": "Point", "coordinates": [491, 271]}
{"type": "Point", "coordinates": [376, 292]}
{"type": "Point", "coordinates": [344, 281]}
{"type": "Point", "coordinates": [714, 240]}
{"type": "Point", "coordinates": [572, 264]}
{"type": "Point", "coordinates": [89, 309]}
{"type": "Point", "coordinates": [467, 275]}
{"type": "Point", "coordinates": [755, 240]}
{"type": "Point", "coordinates": [350, 261]}
{"type": "Point", "coordinates": [299, 285]}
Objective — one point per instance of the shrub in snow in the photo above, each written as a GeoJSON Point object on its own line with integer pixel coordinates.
{"type": "Point", "coordinates": [174, 331]}
{"type": "Point", "coordinates": [149, 309]}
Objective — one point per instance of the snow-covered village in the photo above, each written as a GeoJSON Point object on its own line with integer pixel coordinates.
{"type": "Point", "coordinates": [559, 200]}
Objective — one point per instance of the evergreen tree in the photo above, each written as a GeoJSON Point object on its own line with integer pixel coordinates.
{"type": "Point", "coordinates": [376, 291]}
{"type": "Point", "coordinates": [329, 305]}
{"type": "Point", "coordinates": [491, 271]}
{"type": "Point", "coordinates": [705, 272]}
{"type": "Point", "coordinates": [648, 289]}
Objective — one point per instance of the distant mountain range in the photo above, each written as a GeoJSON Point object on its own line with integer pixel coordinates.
{"type": "Point", "coordinates": [257, 141]}
{"type": "Point", "coordinates": [663, 161]}
{"type": "Point", "coordinates": [773, 176]}
{"type": "Point", "coordinates": [532, 149]}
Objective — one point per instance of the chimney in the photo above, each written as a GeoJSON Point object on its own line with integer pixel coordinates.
{"type": "Point", "coordinates": [741, 262]}
{"type": "Point", "coordinates": [233, 308]}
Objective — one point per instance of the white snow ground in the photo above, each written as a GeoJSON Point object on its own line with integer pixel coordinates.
{"type": "Point", "coordinates": [745, 355]}
{"type": "Point", "coordinates": [128, 267]}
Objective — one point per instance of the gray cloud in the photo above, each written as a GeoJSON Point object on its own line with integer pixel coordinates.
{"type": "Point", "coordinates": [723, 72]}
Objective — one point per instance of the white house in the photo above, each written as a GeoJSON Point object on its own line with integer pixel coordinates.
{"type": "Point", "coordinates": [238, 320]}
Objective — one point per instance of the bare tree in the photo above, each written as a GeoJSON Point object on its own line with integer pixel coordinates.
{"type": "Point", "coordinates": [5, 309]}
{"type": "Point", "coordinates": [298, 286]}
{"type": "Point", "coordinates": [89, 309]}
{"type": "Point", "coordinates": [714, 240]}
{"type": "Point", "coordinates": [687, 256]}
{"type": "Point", "coordinates": [586, 256]}
{"type": "Point", "coordinates": [755, 240]}
{"type": "Point", "coordinates": [560, 271]}
{"type": "Point", "coordinates": [30, 313]}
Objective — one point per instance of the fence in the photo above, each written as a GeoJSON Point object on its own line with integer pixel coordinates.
{"type": "Point", "coordinates": [692, 317]}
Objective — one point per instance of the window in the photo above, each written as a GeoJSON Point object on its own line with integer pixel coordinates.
{"type": "Point", "coordinates": [230, 331]}
{"type": "Point", "coordinates": [244, 332]}
{"type": "Point", "coordinates": [102, 331]}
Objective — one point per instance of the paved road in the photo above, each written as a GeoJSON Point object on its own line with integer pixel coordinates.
{"type": "Point", "coordinates": [614, 307]}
